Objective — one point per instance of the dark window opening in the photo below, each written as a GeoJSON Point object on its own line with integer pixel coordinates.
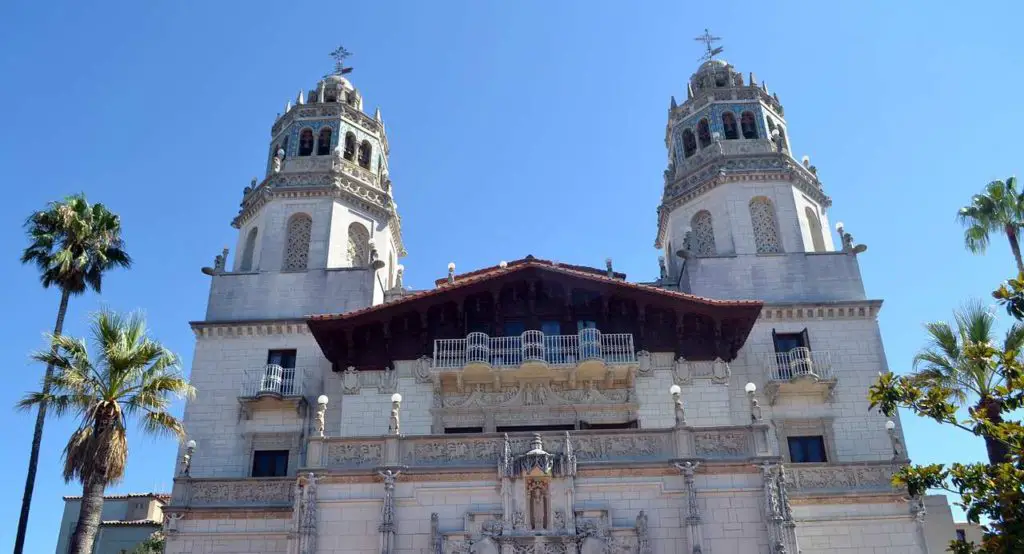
{"type": "Point", "coordinates": [350, 98]}
{"type": "Point", "coordinates": [283, 358]}
{"type": "Point", "coordinates": [514, 328]}
{"type": "Point", "coordinates": [364, 154]}
{"type": "Point", "coordinates": [807, 450]}
{"type": "Point", "coordinates": [689, 143]}
{"type": "Point", "coordinates": [732, 132]}
{"type": "Point", "coordinates": [721, 79]}
{"type": "Point", "coordinates": [462, 430]}
{"type": "Point", "coordinates": [330, 96]}
{"type": "Point", "coordinates": [350, 146]}
{"type": "Point", "coordinates": [626, 425]}
{"type": "Point", "coordinates": [786, 342]}
{"type": "Point", "coordinates": [748, 125]}
{"type": "Point", "coordinates": [791, 362]}
{"type": "Point", "coordinates": [270, 463]}
{"type": "Point", "coordinates": [961, 535]}
{"type": "Point", "coordinates": [323, 144]}
{"type": "Point", "coordinates": [704, 133]}
{"type": "Point", "coordinates": [306, 142]}
{"type": "Point", "coordinates": [585, 324]}
{"type": "Point", "coordinates": [535, 428]}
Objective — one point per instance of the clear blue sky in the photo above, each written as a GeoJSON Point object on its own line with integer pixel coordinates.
{"type": "Point", "coordinates": [515, 128]}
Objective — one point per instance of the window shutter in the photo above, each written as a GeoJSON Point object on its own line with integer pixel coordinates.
{"type": "Point", "coordinates": [805, 338]}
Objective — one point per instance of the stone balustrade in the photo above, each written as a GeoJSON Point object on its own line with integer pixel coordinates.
{"type": "Point", "coordinates": [483, 450]}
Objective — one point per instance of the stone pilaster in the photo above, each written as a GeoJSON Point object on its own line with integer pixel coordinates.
{"type": "Point", "coordinates": [693, 517]}
{"type": "Point", "coordinates": [387, 511]}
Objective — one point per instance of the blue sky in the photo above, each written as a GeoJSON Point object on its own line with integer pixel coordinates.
{"type": "Point", "coordinates": [515, 128]}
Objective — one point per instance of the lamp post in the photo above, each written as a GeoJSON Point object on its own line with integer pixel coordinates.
{"type": "Point", "coordinates": [396, 404]}
{"type": "Point", "coordinates": [186, 459]}
{"type": "Point", "coordinates": [755, 406]}
{"type": "Point", "coordinates": [321, 414]}
{"type": "Point", "coordinates": [677, 399]}
{"type": "Point", "coordinates": [890, 428]}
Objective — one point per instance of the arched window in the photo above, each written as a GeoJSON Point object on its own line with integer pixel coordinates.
{"type": "Point", "coordinates": [703, 242]}
{"type": "Point", "coordinates": [299, 230]}
{"type": "Point", "coordinates": [350, 98]}
{"type": "Point", "coordinates": [323, 143]}
{"type": "Point", "coordinates": [729, 123]}
{"type": "Point", "coordinates": [306, 142]}
{"type": "Point", "coordinates": [249, 251]}
{"type": "Point", "coordinates": [358, 245]}
{"type": "Point", "coordinates": [748, 125]}
{"type": "Point", "coordinates": [814, 223]}
{"type": "Point", "coordinates": [350, 146]}
{"type": "Point", "coordinates": [689, 143]}
{"type": "Point", "coordinates": [766, 229]}
{"type": "Point", "coordinates": [330, 95]}
{"type": "Point", "coordinates": [364, 154]}
{"type": "Point", "coordinates": [704, 133]}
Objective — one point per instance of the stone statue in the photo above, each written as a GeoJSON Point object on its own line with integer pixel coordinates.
{"type": "Point", "coordinates": [337, 158]}
{"type": "Point", "coordinates": [275, 164]}
{"type": "Point", "coordinates": [538, 505]}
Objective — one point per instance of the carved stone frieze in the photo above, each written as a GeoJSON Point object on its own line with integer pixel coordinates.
{"type": "Point", "coordinates": [248, 492]}
{"type": "Point", "coordinates": [553, 394]}
{"type": "Point", "coordinates": [722, 444]}
{"type": "Point", "coordinates": [717, 371]}
{"type": "Point", "coordinates": [355, 454]}
{"type": "Point", "coordinates": [859, 477]}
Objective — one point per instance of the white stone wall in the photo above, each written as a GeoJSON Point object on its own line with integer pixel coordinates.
{"type": "Point", "coordinates": [284, 295]}
{"type": "Point", "coordinates": [867, 528]}
{"type": "Point", "coordinates": [255, 535]}
{"type": "Point", "coordinates": [214, 418]}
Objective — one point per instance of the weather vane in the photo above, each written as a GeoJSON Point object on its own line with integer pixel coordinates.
{"type": "Point", "coordinates": [339, 54]}
{"type": "Point", "coordinates": [708, 40]}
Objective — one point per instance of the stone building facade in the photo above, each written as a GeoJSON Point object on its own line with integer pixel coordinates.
{"type": "Point", "coordinates": [538, 407]}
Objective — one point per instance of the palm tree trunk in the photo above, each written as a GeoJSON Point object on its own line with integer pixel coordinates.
{"type": "Point", "coordinates": [998, 451]}
{"type": "Point", "coordinates": [1011, 235]}
{"type": "Point", "coordinates": [37, 436]}
{"type": "Point", "coordinates": [89, 513]}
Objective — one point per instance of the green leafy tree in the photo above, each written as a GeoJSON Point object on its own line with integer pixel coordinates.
{"type": "Point", "coordinates": [154, 544]}
{"type": "Point", "coordinates": [997, 209]}
{"type": "Point", "coordinates": [993, 491]}
{"type": "Point", "coordinates": [73, 243]}
{"type": "Point", "coordinates": [132, 376]}
{"type": "Point", "coordinates": [944, 365]}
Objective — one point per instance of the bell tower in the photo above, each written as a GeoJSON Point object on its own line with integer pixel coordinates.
{"type": "Point", "coordinates": [739, 216]}
{"type": "Point", "coordinates": [323, 219]}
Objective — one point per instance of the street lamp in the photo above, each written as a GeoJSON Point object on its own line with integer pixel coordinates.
{"type": "Point", "coordinates": [186, 459]}
{"type": "Point", "coordinates": [677, 399]}
{"type": "Point", "coordinates": [396, 404]}
{"type": "Point", "coordinates": [755, 406]}
{"type": "Point", "coordinates": [321, 414]}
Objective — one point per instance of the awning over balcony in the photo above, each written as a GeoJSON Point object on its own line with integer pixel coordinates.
{"type": "Point", "coordinates": [535, 294]}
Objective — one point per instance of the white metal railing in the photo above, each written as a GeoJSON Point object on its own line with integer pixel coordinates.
{"type": "Point", "coordinates": [272, 380]}
{"type": "Point", "coordinates": [534, 346]}
{"type": "Point", "coordinates": [799, 362]}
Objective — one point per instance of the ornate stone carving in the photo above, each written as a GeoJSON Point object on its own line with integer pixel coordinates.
{"type": "Point", "coordinates": [387, 511]}
{"type": "Point", "coordinates": [388, 381]}
{"type": "Point", "coordinates": [421, 369]}
{"type": "Point", "coordinates": [877, 477]}
{"type": "Point", "coordinates": [643, 357]}
{"type": "Point", "coordinates": [350, 382]}
{"type": "Point", "coordinates": [242, 491]}
{"type": "Point", "coordinates": [304, 513]}
{"type": "Point", "coordinates": [537, 395]}
{"type": "Point", "coordinates": [722, 444]}
{"type": "Point", "coordinates": [355, 454]}
{"type": "Point", "coordinates": [559, 520]}
{"type": "Point", "coordinates": [436, 539]}
{"type": "Point", "coordinates": [518, 520]}
{"type": "Point", "coordinates": [539, 502]}
{"type": "Point", "coordinates": [642, 534]}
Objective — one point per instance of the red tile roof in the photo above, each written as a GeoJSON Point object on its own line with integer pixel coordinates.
{"type": "Point", "coordinates": [166, 497]}
{"type": "Point", "coordinates": [529, 262]}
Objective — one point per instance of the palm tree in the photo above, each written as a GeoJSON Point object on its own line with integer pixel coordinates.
{"type": "Point", "coordinates": [72, 243]}
{"type": "Point", "coordinates": [943, 364]}
{"type": "Point", "coordinates": [132, 376]}
{"type": "Point", "coordinates": [1000, 209]}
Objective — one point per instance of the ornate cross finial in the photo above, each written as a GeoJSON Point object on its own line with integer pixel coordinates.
{"type": "Point", "coordinates": [708, 40]}
{"type": "Point", "coordinates": [339, 54]}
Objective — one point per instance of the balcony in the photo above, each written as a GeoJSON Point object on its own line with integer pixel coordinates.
{"type": "Point", "coordinates": [273, 381]}
{"type": "Point", "coordinates": [799, 372]}
{"type": "Point", "coordinates": [587, 355]}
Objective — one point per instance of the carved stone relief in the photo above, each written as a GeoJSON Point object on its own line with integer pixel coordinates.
{"type": "Point", "coordinates": [355, 454]}
{"type": "Point", "coordinates": [217, 493]}
{"type": "Point", "coordinates": [722, 444]}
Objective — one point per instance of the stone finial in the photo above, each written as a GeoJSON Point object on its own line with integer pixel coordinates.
{"type": "Point", "coordinates": [320, 88]}
{"type": "Point", "coordinates": [672, 105]}
{"type": "Point", "coordinates": [300, 99]}
{"type": "Point", "coordinates": [689, 91]}
{"type": "Point", "coordinates": [753, 79]}
{"type": "Point", "coordinates": [662, 269]}
{"type": "Point", "coordinates": [288, 107]}
{"type": "Point", "coordinates": [377, 116]}
{"type": "Point", "coordinates": [608, 265]}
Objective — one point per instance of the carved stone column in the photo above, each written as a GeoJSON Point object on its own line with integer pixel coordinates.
{"type": "Point", "coordinates": [505, 472]}
{"type": "Point", "coordinates": [387, 512]}
{"type": "Point", "coordinates": [778, 514]}
{"type": "Point", "coordinates": [304, 516]}
{"type": "Point", "coordinates": [436, 539]}
{"type": "Point", "coordinates": [643, 539]}
{"type": "Point", "coordinates": [693, 518]}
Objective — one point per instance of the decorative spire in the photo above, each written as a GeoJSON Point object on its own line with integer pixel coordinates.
{"type": "Point", "coordinates": [708, 40]}
{"type": "Point", "coordinates": [339, 54]}
{"type": "Point", "coordinates": [300, 99]}
{"type": "Point", "coordinates": [376, 115]}
{"type": "Point", "coordinates": [673, 105]}
{"type": "Point", "coordinates": [689, 91]}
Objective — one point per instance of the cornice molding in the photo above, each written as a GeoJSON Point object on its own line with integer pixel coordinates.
{"type": "Point", "coordinates": [235, 329]}
{"type": "Point", "coordinates": [856, 309]}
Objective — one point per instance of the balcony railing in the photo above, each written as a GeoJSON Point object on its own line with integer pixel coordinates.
{"type": "Point", "coordinates": [534, 347]}
{"type": "Point", "coordinates": [273, 380]}
{"type": "Point", "coordinates": [799, 363]}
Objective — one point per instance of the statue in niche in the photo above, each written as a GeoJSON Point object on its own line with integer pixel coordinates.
{"type": "Point", "coordinates": [538, 492]}
{"type": "Point", "coordinates": [275, 165]}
